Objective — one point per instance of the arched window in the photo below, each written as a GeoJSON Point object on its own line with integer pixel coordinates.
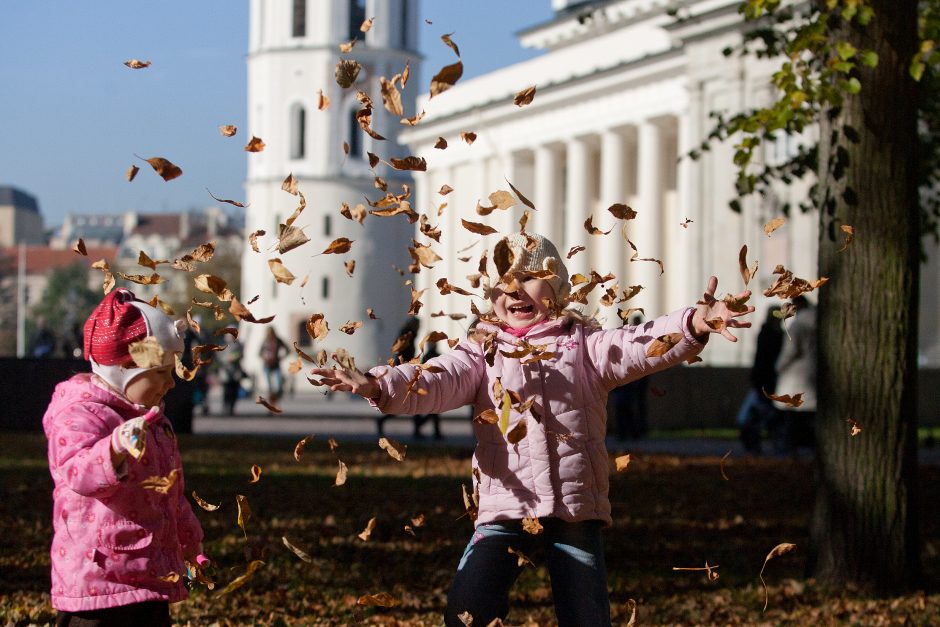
{"type": "Point", "coordinates": [303, 337]}
{"type": "Point", "coordinates": [357, 15]}
{"type": "Point", "coordinates": [298, 131]}
{"type": "Point", "coordinates": [299, 19]}
{"type": "Point", "coordinates": [327, 225]}
{"type": "Point", "coordinates": [354, 136]}
{"type": "Point", "coordinates": [325, 288]}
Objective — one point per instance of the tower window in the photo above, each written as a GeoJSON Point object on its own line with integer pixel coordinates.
{"type": "Point", "coordinates": [403, 27]}
{"type": "Point", "coordinates": [299, 19]}
{"type": "Point", "coordinates": [357, 15]}
{"type": "Point", "coordinates": [327, 226]}
{"type": "Point", "coordinates": [325, 288]}
{"type": "Point", "coordinates": [298, 125]}
{"type": "Point", "coordinates": [354, 137]}
{"type": "Point", "coordinates": [303, 337]}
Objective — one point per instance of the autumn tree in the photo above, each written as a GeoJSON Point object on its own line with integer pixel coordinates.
{"type": "Point", "coordinates": [851, 68]}
{"type": "Point", "coordinates": [65, 303]}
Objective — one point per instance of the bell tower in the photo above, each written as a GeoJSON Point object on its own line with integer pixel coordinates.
{"type": "Point", "coordinates": [294, 47]}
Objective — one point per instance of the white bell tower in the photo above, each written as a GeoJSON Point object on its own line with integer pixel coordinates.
{"type": "Point", "coordinates": [294, 46]}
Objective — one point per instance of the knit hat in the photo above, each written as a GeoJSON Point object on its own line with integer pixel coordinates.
{"type": "Point", "coordinates": [528, 253]}
{"type": "Point", "coordinates": [116, 323]}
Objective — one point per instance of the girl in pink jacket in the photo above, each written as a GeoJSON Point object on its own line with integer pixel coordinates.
{"type": "Point", "coordinates": [122, 525]}
{"type": "Point", "coordinates": [538, 377]}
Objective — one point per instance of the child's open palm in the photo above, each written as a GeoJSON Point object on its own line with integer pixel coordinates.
{"type": "Point", "coordinates": [717, 316]}
{"type": "Point", "coordinates": [347, 380]}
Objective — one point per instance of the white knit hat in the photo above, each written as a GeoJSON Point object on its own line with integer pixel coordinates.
{"type": "Point", "coordinates": [527, 253]}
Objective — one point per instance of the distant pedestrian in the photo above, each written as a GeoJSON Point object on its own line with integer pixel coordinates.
{"type": "Point", "coordinates": [629, 403]}
{"type": "Point", "coordinates": [43, 342]}
{"type": "Point", "coordinates": [273, 350]}
{"type": "Point", "coordinates": [230, 373]}
{"type": "Point", "coordinates": [796, 374]}
{"type": "Point", "coordinates": [403, 351]}
{"type": "Point", "coordinates": [757, 411]}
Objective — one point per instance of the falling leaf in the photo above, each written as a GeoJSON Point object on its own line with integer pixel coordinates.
{"type": "Point", "coordinates": [445, 189]}
{"type": "Point", "coordinates": [366, 25]}
{"type": "Point", "coordinates": [231, 202]}
{"type": "Point", "coordinates": [450, 43]}
{"type": "Point", "coordinates": [593, 230]}
{"type": "Point", "coordinates": [209, 507]}
{"type": "Point", "coordinates": [686, 223]}
{"type": "Point", "coordinates": [524, 97]}
{"type": "Point", "coordinates": [228, 130]}
{"type": "Point", "coordinates": [423, 254]}
{"type": "Point", "coordinates": [171, 577]}
{"type": "Point", "coordinates": [160, 485]}
{"type": "Point", "coordinates": [849, 236]}
{"type": "Point", "coordinates": [622, 462]}
{"type": "Point", "coordinates": [350, 266]}
{"type": "Point", "coordinates": [441, 143]}
{"type": "Point", "coordinates": [366, 533]}
{"type": "Point", "coordinates": [167, 170]}
{"type": "Point", "coordinates": [323, 101]}
{"type": "Point", "coordinates": [391, 97]}
{"type": "Point", "coordinates": [80, 248]}
{"type": "Point", "coordinates": [347, 47]}
{"type": "Point", "coordinates": [532, 525]}
{"type": "Point", "coordinates": [446, 78]}
{"type": "Point", "coordinates": [711, 575]}
{"type": "Point", "coordinates": [244, 512]}
{"type": "Point", "coordinates": [341, 472]}
{"type": "Point", "coordinates": [621, 211]}
{"type": "Point", "coordinates": [395, 449]}
{"type": "Point", "coordinates": [239, 581]}
{"type": "Point", "coordinates": [663, 344]}
{"type": "Point", "coordinates": [267, 405]}
{"type": "Point", "coordinates": [240, 312]}
{"type": "Point", "coordinates": [517, 433]}
{"type": "Point", "coordinates": [791, 401]}
{"type": "Point", "coordinates": [773, 225]}
{"type": "Point", "coordinates": [131, 173]}
{"type": "Point", "coordinates": [742, 265]}
{"type": "Point", "coordinates": [317, 326]}
{"type": "Point", "coordinates": [856, 428]}
{"type": "Point", "coordinates": [255, 473]}
{"type": "Point", "coordinates": [721, 466]}
{"type": "Point", "coordinates": [255, 144]}
{"type": "Point", "coordinates": [382, 599]}
{"type": "Point", "coordinates": [290, 237]}
{"type": "Point", "coordinates": [787, 286]}
{"type": "Point", "coordinates": [781, 549]}
{"type": "Point", "coordinates": [478, 228]}
{"type": "Point", "coordinates": [350, 327]}
{"type": "Point", "coordinates": [135, 64]}
{"type": "Point", "coordinates": [280, 272]}
{"type": "Point", "coordinates": [371, 314]}
{"type": "Point", "coordinates": [211, 284]}
{"type": "Point", "coordinates": [296, 551]}
{"type": "Point", "coordinates": [346, 72]}
{"type": "Point", "coordinates": [521, 559]}
{"type": "Point", "coordinates": [631, 606]}
{"type": "Point", "coordinates": [338, 246]}
{"type": "Point", "coordinates": [469, 137]}
{"type": "Point", "coordinates": [409, 163]}
{"type": "Point", "coordinates": [147, 353]}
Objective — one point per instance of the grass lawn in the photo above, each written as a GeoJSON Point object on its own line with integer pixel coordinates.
{"type": "Point", "coordinates": [668, 512]}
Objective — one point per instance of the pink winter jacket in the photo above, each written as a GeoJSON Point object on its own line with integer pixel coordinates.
{"type": "Point", "coordinates": [113, 539]}
{"type": "Point", "coordinates": [560, 468]}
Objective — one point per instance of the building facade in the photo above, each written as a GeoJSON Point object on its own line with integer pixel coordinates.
{"type": "Point", "coordinates": [624, 91]}
{"type": "Point", "coordinates": [294, 48]}
{"type": "Point", "coordinates": [20, 220]}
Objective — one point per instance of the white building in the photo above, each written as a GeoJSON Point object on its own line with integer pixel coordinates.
{"type": "Point", "coordinates": [623, 89]}
{"type": "Point", "coordinates": [293, 51]}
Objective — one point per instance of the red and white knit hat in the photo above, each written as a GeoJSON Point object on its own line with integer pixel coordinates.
{"type": "Point", "coordinates": [117, 322]}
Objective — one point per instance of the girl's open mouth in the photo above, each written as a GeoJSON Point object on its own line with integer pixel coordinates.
{"type": "Point", "coordinates": [521, 311]}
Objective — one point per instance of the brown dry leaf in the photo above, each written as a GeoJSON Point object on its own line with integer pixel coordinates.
{"type": "Point", "coordinates": [182, 371]}
{"type": "Point", "coordinates": [409, 163]}
{"type": "Point", "coordinates": [466, 617]}
{"type": "Point", "coordinates": [255, 473]}
{"type": "Point", "coordinates": [382, 599]}
{"type": "Point", "coordinates": [346, 72]}
{"type": "Point", "coordinates": [239, 581]}
{"type": "Point", "coordinates": [391, 97]}
{"type": "Point", "coordinates": [423, 254]}
{"type": "Point", "coordinates": [773, 225]}
{"type": "Point", "coordinates": [350, 327]}
{"type": "Point", "coordinates": [203, 252]}
{"type": "Point", "coordinates": [228, 130]}
{"type": "Point", "coordinates": [849, 236]}
{"type": "Point", "coordinates": [518, 433]}
{"type": "Point", "coordinates": [395, 449]}
{"type": "Point", "coordinates": [477, 227]}
{"type": "Point", "coordinates": [323, 101]}
{"type": "Point", "coordinates": [441, 143]}
{"type": "Point", "coordinates": [80, 248]}
{"type": "Point", "coordinates": [244, 512]}
{"type": "Point", "coordinates": [144, 260]}
{"type": "Point", "coordinates": [631, 607]}
{"type": "Point", "coordinates": [686, 223]}
{"type": "Point", "coordinates": [136, 64]}
{"type": "Point", "coordinates": [524, 97]}
{"type": "Point", "coordinates": [167, 170]}
{"type": "Point", "coordinates": [147, 353]}
{"type": "Point", "coordinates": [574, 250]}
{"type": "Point", "coordinates": [209, 507]}
{"type": "Point", "coordinates": [856, 428]}
{"type": "Point", "coordinates": [521, 558]}
{"type": "Point", "coordinates": [317, 326]}
{"type": "Point", "coordinates": [131, 173]}
{"type": "Point", "coordinates": [240, 312]}
{"type": "Point", "coordinates": [290, 237]}
{"type": "Point", "coordinates": [709, 569]}
{"type": "Point", "coordinates": [371, 314]}
{"type": "Point", "coordinates": [621, 211]}
{"type": "Point", "coordinates": [160, 485]}
{"type": "Point", "coordinates": [663, 344]}
{"type": "Point", "coordinates": [299, 447]}
{"type": "Point", "coordinates": [289, 185]}
{"type": "Point", "coordinates": [721, 466]}
{"type": "Point", "coordinates": [170, 577]}
{"type": "Point", "coordinates": [366, 25]}
{"type": "Point", "coordinates": [593, 230]}
{"type": "Point", "coordinates": [488, 416]}
{"type": "Point", "coordinates": [781, 549]}
{"type": "Point", "coordinates": [338, 246]}
{"type": "Point", "coordinates": [267, 405]}
{"type": "Point", "coordinates": [341, 471]}
{"type": "Point", "coordinates": [347, 47]}
{"type": "Point", "coordinates": [469, 137]}
{"type": "Point", "coordinates": [211, 284]}
{"type": "Point", "coordinates": [280, 272]}
{"type": "Point", "coordinates": [622, 462]}
{"type": "Point", "coordinates": [153, 279]}
{"type": "Point", "coordinates": [445, 189]}
{"type": "Point", "coordinates": [446, 78]}
{"type": "Point", "coordinates": [742, 265]}
{"type": "Point", "coordinates": [532, 525]}
{"type": "Point", "coordinates": [367, 532]}
{"type": "Point", "coordinates": [255, 144]}
{"type": "Point", "coordinates": [296, 550]}
{"type": "Point", "coordinates": [450, 43]}
{"type": "Point", "coordinates": [787, 286]}
{"type": "Point", "coordinates": [791, 401]}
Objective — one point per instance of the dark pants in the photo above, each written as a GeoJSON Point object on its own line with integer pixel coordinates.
{"type": "Point", "coordinates": [147, 614]}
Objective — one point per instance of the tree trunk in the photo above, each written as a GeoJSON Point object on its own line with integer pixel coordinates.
{"type": "Point", "coordinates": [865, 523]}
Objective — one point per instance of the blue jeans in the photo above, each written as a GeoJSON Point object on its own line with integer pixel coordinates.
{"type": "Point", "coordinates": [575, 559]}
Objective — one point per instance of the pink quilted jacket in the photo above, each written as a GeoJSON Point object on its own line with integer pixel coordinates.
{"type": "Point", "coordinates": [561, 467]}
{"type": "Point", "coordinates": [113, 539]}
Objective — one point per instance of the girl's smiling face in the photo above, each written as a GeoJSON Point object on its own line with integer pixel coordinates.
{"type": "Point", "coordinates": [527, 301]}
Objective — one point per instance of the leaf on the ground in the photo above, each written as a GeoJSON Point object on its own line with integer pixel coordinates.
{"type": "Point", "coordinates": [244, 512]}
{"type": "Point", "coordinates": [366, 533]}
{"type": "Point", "coordinates": [280, 272]}
{"type": "Point", "coordinates": [296, 550]}
{"type": "Point", "coordinates": [160, 485]}
{"type": "Point", "coordinates": [532, 525]}
{"type": "Point", "coordinates": [137, 64]}
{"type": "Point", "coordinates": [524, 97]}
{"type": "Point", "coordinates": [228, 130]}
{"type": "Point", "coordinates": [255, 144]}
{"type": "Point", "coordinates": [396, 450]}
{"type": "Point", "coordinates": [856, 428]}
{"type": "Point", "coordinates": [773, 225]}
{"type": "Point", "coordinates": [239, 581]}
{"type": "Point", "coordinates": [204, 504]}
{"type": "Point", "coordinates": [621, 462]}
{"type": "Point", "coordinates": [663, 344]}
{"type": "Point", "coordinates": [781, 549]}
{"type": "Point", "coordinates": [166, 169]}
{"type": "Point", "coordinates": [792, 401]}
{"type": "Point", "coordinates": [341, 471]}
{"type": "Point", "coordinates": [381, 599]}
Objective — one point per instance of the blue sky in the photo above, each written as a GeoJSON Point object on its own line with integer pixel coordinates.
{"type": "Point", "coordinates": [72, 115]}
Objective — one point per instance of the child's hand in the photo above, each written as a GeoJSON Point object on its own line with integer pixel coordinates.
{"type": "Point", "coordinates": [130, 438]}
{"type": "Point", "coordinates": [717, 316]}
{"type": "Point", "coordinates": [346, 380]}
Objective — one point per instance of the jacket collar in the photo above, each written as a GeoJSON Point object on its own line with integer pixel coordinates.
{"type": "Point", "coordinates": [548, 327]}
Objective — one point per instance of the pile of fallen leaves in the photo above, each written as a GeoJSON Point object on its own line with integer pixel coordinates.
{"type": "Point", "coordinates": [291, 547]}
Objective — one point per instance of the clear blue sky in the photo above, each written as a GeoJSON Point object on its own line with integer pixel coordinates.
{"type": "Point", "coordinates": [72, 115]}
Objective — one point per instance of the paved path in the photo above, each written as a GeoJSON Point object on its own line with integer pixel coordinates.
{"type": "Point", "coordinates": [351, 418]}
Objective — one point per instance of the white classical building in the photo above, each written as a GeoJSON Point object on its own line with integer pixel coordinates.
{"type": "Point", "coordinates": [293, 51]}
{"type": "Point", "coordinates": [624, 89]}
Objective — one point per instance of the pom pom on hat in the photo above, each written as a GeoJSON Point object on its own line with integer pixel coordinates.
{"type": "Point", "coordinates": [119, 321]}
{"type": "Point", "coordinates": [528, 253]}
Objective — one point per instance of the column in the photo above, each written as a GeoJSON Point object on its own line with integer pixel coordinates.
{"type": "Point", "coordinates": [508, 221]}
{"type": "Point", "coordinates": [545, 198]}
{"type": "Point", "coordinates": [646, 233]}
{"type": "Point", "coordinates": [576, 205]}
{"type": "Point", "coordinates": [610, 257]}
